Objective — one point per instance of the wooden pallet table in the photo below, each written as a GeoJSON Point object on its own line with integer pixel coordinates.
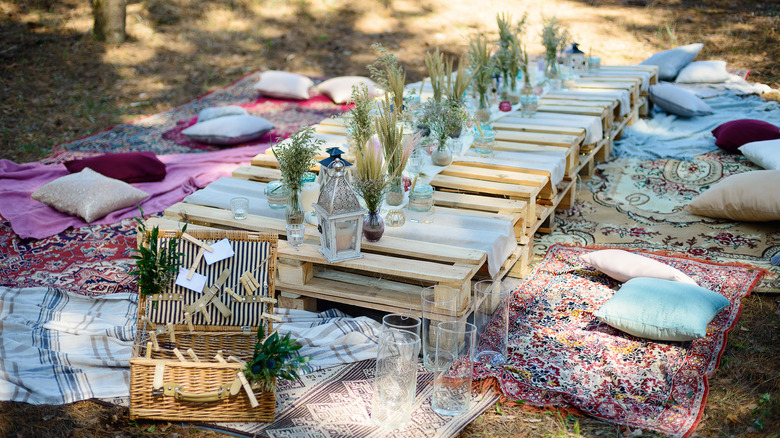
{"type": "Point", "coordinates": [387, 278]}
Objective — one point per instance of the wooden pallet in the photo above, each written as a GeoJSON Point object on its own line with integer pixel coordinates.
{"type": "Point", "coordinates": [388, 278]}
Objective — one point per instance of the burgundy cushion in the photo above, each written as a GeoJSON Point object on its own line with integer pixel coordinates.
{"type": "Point", "coordinates": [731, 135]}
{"type": "Point", "coordinates": [130, 167]}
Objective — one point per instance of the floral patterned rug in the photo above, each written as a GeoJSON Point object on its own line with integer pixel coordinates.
{"type": "Point", "coordinates": [561, 355]}
{"type": "Point", "coordinates": [638, 204]}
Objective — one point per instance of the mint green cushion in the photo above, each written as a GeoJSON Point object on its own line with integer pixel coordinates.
{"type": "Point", "coordinates": [662, 310]}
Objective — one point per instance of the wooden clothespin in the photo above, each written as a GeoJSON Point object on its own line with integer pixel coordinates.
{"type": "Point", "coordinates": [148, 321]}
{"type": "Point", "coordinates": [188, 320]}
{"type": "Point", "coordinates": [171, 333]}
{"type": "Point", "coordinates": [202, 248]}
{"type": "Point", "coordinates": [248, 388]}
{"type": "Point", "coordinates": [249, 287]}
{"type": "Point", "coordinates": [153, 337]}
{"type": "Point", "coordinates": [251, 278]}
{"type": "Point", "coordinates": [179, 355]}
{"type": "Point", "coordinates": [235, 296]}
{"type": "Point", "coordinates": [205, 313]}
{"type": "Point", "coordinates": [159, 374]}
{"type": "Point", "coordinates": [192, 354]}
{"type": "Point", "coordinates": [219, 357]}
{"type": "Point", "coordinates": [273, 318]}
{"type": "Point", "coordinates": [148, 350]}
{"type": "Point", "coordinates": [235, 359]}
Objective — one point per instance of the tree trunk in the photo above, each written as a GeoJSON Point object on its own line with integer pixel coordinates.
{"type": "Point", "coordinates": [109, 20]}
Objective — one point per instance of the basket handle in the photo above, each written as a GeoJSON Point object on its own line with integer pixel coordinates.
{"type": "Point", "coordinates": [171, 389]}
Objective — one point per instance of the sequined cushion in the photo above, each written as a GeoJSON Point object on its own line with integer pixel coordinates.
{"type": "Point", "coordinates": [88, 194]}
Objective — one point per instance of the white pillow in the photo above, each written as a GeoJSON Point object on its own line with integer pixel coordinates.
{"type": "Point", "coordinates": [764, 153]}
{"type": "Point", "coordinates": [220, 111]}
{"type": "Point", "coordinates": [670, 62]}
{"type": "Point", "coordinates": [88, 194]}
{"type": "Point", "coordinates": [339, 89]}
{"type": "Point", "coordinates": [709, 72]}
{"type": "Point", "coordinates": [623, 266]}
{"type": "Point", "coordinates": [284, 85]}
{"type": "Point", "coordinates": [675, 100]}
{"type": "Point", "coordinates": [229, 130]}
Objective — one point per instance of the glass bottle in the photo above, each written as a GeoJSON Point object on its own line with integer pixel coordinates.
{"type": "Point", "coordinates": [373, 226]}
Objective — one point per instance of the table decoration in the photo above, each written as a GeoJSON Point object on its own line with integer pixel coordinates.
{"type": "Point", "coordinates": [445, 120]}
{"type": "Point", "coordinates": [157, 263]}
{"type": "Point", "coordinates": [508, 55]}
{"type": "Point", "coordinates": [386, 72]}
{"type": "Point", "coordinates": [396, 150]}
{"type": "Point", "coordinates": [340, 216]}
{"type": "Point", "coordinates": [483, 66]}
{"type": "Point", "coordinates": [554, 36]}
{"type": "Point", "coordinates": [395, 380]}
{"type": "Point", "coordinates": [371, 183]}
{"type": "Point", "coordinates": [274, 358]}
{"type": "Point", "coordinates": [360, 127]}
{"type": "Point", "coordinates": [296, 157]}
{"type": "Point", "coordinates": [454, 371]}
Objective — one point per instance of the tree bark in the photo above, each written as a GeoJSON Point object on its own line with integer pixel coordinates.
{"type": "Point", "coordinates": [109, 20]}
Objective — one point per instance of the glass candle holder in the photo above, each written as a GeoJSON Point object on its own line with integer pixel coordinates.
{"type": "Point", "coordinates": [421, 198]}
{"type": "Point", "coordinates": [277, 195]}
{"type": "Point", "coordinates": [483, 143]}
{"type": "Point", "coordinates": [239, 207]}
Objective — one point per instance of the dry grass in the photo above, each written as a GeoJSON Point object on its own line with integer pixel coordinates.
{"type": "Point", "coordinates": [58, 84]}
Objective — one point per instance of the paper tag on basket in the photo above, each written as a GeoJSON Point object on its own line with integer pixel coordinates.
{"type": "Point", "coordinates": [197, 283]}
{"type": "Point", "coordinates": [222, 250]}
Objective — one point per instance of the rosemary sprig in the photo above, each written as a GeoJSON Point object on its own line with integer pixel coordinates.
{"type": "Point", "coordinates": [296, 156]}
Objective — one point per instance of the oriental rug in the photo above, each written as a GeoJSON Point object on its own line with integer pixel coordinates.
{"type": "Point", "coordinates": [639, 205]}
{"type": "Point", "coordinates": [336, 402]}
{"type": "Point", "coordinates": [561, 355]}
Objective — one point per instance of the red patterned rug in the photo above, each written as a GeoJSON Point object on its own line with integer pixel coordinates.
{"type": "Point", "coordinates": [561, 355]}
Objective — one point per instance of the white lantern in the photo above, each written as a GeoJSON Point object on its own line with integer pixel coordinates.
{"type": "Point", "coordinates": [340, 216]}
{"type": "Point", "coordinates": [576, 61]}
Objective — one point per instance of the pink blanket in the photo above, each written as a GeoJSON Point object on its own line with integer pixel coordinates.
{"type": "Point", "coordinates": [186, 173]}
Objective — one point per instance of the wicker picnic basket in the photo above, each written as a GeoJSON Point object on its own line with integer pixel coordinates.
{"type": "Point", "coordinates": [190, 347]}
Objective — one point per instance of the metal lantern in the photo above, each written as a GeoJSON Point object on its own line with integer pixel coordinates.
{"type": "Point", "coordinates": [576, 61]}
{"type": "Point", "coordinates": [334, 154]}
{"type": "Point", "coordinates": [340, 216]}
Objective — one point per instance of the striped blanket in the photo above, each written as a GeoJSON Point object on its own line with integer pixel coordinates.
{"type": "Point", "coordinates": [58, 347]}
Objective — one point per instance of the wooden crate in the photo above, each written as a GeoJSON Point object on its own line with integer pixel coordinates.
{"type": "Point", "coordinates": [179, 370]}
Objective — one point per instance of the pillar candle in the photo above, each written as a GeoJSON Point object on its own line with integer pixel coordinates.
{"type": "Point", "coordinates": [310, 193]}
{"type": "Point", "coordinates": [344, 234]}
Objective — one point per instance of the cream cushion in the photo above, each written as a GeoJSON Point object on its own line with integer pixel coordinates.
{"type": "Point", "coordinates": [710, 72]}
{"type": "Point", "coordinates": [764, 153]}
{"type": "Point", "coordinates": [670, 62]}
{"type": "Point", "coordinates": [88, 194]}
{"type": "Point", "coordinates": [751, 196]}
{"type": "Point", "coordinates": [339, 89]}
{"type": "Point", "coordinates": [623, 266]}
{"type": "Point", "coordinates": [284, 85]}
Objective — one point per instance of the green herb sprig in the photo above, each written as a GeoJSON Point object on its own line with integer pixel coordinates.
{"type": "Point", "coordinates": [554, 37]}
{"type": "Point", "coordinates": [360, 123]}
{"type": "Point", "coordinates": [157, 263]}
{"type": "Point", "coordinates": [274, 358]}
{"type": "Point", "coordinates": [296, 156]}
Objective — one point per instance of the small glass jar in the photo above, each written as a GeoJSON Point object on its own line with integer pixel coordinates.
{"type": "Point", "coordinates": [421, 198]}
{"type": "Point", "coordinates": [395, 218]}
{"type": "Point", "coordinates": [484, 142]}
{"type": "Point", "coordinates": [308, 177]}
{"type": "Point", "coordinates": [277, 195]}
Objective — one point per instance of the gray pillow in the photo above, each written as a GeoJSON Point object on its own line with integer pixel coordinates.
{"type": "Point", "coordinates": [675, 100]}
{"type": "Point", "coordinates": [220, 111]}
{"type": "Point", "coordinates": [229, 130]}
{"type": "Point", "coordinates": [670, 62]}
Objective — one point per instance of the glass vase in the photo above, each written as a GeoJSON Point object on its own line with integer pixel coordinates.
{"type": "Point", "coordinates": [552, 73]}
{"type": "Point", "coordinates": [442, 156]}
{"type": "Point", "coordinates": [293, 214]}
{"type": "Point", "coordinates": [373, 226]}
{"type": "Point", "coordinates": [395, 191]}
{"type": "Point", "coordinates": [483, 108]}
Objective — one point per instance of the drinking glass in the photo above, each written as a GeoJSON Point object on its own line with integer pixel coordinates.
{"type": "Point", "coordinates": [402, 321]}
{"type": "Point", "coordinates": [295, 234]}
{"type": "Point", "coordinates": [239, 207]}
{"type": "Point", "coordinates": [439, 303]}
{"type": "Point", "coordinates": [455, 342]}
{"type": "Point", "coordinates": [417, 160]}
{"type": "Point", "coordinates": [491, 317]}
{"type": "Point", "coordinates": [395, 380]}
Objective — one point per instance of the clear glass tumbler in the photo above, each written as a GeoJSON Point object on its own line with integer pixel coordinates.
{"type": "Point", "coordinates": [455, 342]}
{"type": "Point", "coordinates": [402, 321]}
{"type": "Point", "coordinates": [295, 234]}
{"type": "Point", "coordinates": [439, 303]}
{"type": "Point", "coordinates": [395, 380]}
{"type": "Point", "coordinates": [491, 316]}
{"type": "Point", "coordinates": [239, 207]}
